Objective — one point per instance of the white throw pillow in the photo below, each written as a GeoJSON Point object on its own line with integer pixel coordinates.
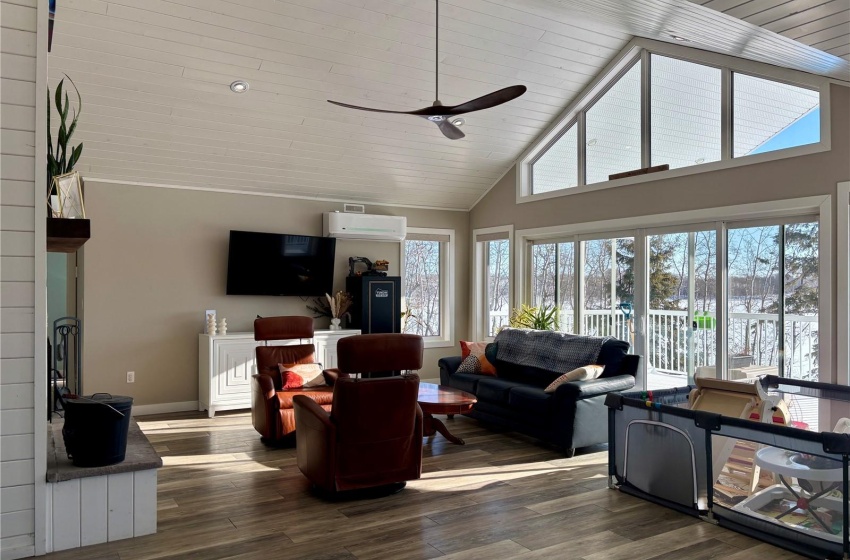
{"type": "Point", "coordinates": [306, 375]}
{"type": "Point", "coordinates": [584, 373]}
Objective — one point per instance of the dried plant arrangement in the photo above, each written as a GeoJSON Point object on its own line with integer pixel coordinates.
{"type": "Point", "coordinates": [335, 307]}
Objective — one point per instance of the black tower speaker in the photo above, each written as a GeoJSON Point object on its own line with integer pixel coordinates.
{"type": "Point", "coordinates": [377, 303]}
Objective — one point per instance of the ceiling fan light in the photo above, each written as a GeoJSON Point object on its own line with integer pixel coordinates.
{"type": "Point", "coordinates": [458, 121]}
{"type": "Point", "coordinates": [240, 86]}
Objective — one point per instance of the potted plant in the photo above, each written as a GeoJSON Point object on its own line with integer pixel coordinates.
{"type": "Point", "coordinates": [61, 158]}
{"type": "Point", "coordinates": [64, 186]}
{"type": "Point", "coordinates": [336, 307]}
{"type": "Point", "coordinates": [541, 318]}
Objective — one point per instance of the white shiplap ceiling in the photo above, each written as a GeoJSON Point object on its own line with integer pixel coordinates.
{"type": "Point", "coordinates": [823, 24]}
{"type": "Point", "coordinates": [154, 76]}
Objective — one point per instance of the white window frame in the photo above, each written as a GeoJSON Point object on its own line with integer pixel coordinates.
{"type": "Point", "coordinates": [843, 303]}
{"type": "Point", "coordinates": [642, 48]}
{"type": "Point", "coordinates": [479, 316]}
{"type": "Point", "coordinates": [821, 206]}
{"type": "Point", "coordinates": [447, 284]}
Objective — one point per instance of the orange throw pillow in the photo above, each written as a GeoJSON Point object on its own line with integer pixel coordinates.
{"type": "Point", "coordinates": [476, 349]}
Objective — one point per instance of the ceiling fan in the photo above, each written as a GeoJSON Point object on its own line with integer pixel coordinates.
{"type": "Point", "coordinates": [440, 114]}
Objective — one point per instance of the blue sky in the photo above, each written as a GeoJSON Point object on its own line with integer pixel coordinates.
{"type": "Point", "coordinates": [804, 131]}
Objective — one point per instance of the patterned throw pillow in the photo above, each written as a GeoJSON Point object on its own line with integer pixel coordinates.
{"type": "Point", "coordinates": [297, 376]}
{"type": "Point", "coordinates": [474, 360]}
{"type": "Point", "coordinates": [579, 374]}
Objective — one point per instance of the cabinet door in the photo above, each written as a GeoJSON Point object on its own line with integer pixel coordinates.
{"type": "Point", "coordinates": [233, 375]}
{"type": "Point", "coordinates": [330, 355]}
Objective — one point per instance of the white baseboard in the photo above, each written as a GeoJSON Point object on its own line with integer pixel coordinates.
{"type": "Point", "coordinates": [164, 408]}
{"type": "Point", "coordinates": [434, 380]}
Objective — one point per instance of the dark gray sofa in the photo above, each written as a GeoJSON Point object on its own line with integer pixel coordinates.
{"type": "Point", "coordinates": [573, 416]}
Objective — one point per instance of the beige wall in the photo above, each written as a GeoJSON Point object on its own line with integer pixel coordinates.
{"type": "Point", "coordinates": [158, 258]}
{"type": "Point", "coordinates": [816, 174]}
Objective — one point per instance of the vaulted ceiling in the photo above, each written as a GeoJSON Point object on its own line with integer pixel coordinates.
{"type": "Point", "coordinates": [155, 76]}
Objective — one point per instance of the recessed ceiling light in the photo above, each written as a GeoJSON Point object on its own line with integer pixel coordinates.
{"type": "Point", "coordinates": [458, 121]}
{"type": "Point", "coordinates": [700, 160]}
{"type": "Point", "coordinates": [239, 86]}
{"type": "Point", "coordinates": [680, 38]}
{"type": "Point", "coordinates": [591, 142]}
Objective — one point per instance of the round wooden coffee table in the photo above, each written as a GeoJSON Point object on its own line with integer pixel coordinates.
{"type": "Point", "coordinates": [439, 399]}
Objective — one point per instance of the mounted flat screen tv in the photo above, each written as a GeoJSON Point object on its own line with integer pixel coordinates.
{"type": "Point", "coordinates": [273, 264]}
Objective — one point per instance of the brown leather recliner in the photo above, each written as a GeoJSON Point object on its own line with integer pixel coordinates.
{"type": "Point", "coordinates": [378, 355]}
{"type": "Point", "coordinates": [372, 437]}
{"type": "Point", "coordinates": [271, 406]}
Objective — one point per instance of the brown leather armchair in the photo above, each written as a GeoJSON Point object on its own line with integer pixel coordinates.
{"type": "Point", "coordinates": [271, 406]}
{"type": "Point", "coordinates": [372, 436]}
{"type": "Point", "coordinates": [377, 355]}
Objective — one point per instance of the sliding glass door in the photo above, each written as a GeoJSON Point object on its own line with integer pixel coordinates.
{"type": "Point", "coordinates": [772, 279]}
{"type": "Point", "coordinates": [681, 317]}
{"type": "Point", "coordinates": [608, 290]}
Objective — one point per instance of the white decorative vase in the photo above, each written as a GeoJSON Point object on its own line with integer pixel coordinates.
{"type": "Point", "coordinates": [335, 324]}
{"type": "Point", "coordinates": [222, 326]}
{"type": "Point", "coordinates": [211, 324]}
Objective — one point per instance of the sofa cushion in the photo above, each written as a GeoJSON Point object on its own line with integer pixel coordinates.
{"type": "Point", "coordinates": [495, 390]}
{"type": "Point", "coordinates": [322, 396]}
{"type": "Point", "coordinates": [527, 375]}
{"type": "Point", "coordinates": [532, 400]}
{"type": "Point", "coordinates": [467, 381]}
{"type": "Point", "coordinates": [611, 356]}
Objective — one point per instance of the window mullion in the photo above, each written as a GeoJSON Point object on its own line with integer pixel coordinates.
{"type": "Point", "coordinates": [726, 114]}
{"type": "Point", "coordinates": [581, 151]}
{"type": "Point", "coordinates": [645, 109]}
{"type": "Point", "coordinates": [780, 335]}
{"type": "Point", "coordinates": [722, 301]}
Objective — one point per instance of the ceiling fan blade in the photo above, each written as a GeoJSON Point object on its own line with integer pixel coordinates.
{"type": "Point", "coordinates": [486, 101]}
{"type": "Point", "coordinates": [375, 110]}
{"type": "Point", "coordinates": [449, 130]}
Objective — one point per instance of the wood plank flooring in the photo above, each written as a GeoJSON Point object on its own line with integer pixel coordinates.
{"type": "Point", "coordinates": [223, 494]}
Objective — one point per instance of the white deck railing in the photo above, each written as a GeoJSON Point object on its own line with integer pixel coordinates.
{"type": "Point", "coordinates": [751, 334]}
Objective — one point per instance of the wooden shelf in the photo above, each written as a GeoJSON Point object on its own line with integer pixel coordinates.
{"type": "Point", "coordinates": [66, 235]}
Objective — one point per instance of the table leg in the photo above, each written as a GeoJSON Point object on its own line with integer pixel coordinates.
{"type": "Point", "coordinates": [431, 425]}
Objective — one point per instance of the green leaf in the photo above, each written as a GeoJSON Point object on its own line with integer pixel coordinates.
{"type": "Point", "coordinates": [71, 129]}
{"type": "Point", "coordinates": [58, 99]}
{"type": "Point", "coordinates": [75, 155]}
{"type": "Point", "coordinates": [65, 109]}
{"type": "Point", "coordinates": [79, 97]}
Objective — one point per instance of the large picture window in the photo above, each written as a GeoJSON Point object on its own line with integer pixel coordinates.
{"type": "Point", "coordinates": [770, 115]}
{"type": "Point", "coordinates": [428, 280]}
{"type": "Point", "coordinates": [734, 296]}
{"type": "Point", "coordinates": [491, 288]}
{"type": "Point", "coordinates": [613, 135]}
{"type": "Point", "coordinates": [685, 101]}
{"type": "Point", "coordinates": [658, 108]}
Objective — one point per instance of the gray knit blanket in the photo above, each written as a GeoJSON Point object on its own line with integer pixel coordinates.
{"type": "Point", "coordinates": [552, 351]}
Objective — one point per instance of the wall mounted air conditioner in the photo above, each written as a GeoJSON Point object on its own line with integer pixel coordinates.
{"type": "Point", "coordinates": [364, 226]}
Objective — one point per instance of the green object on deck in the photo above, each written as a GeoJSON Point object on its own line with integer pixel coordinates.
{"type": "Point", "coordinates": [704, 321]}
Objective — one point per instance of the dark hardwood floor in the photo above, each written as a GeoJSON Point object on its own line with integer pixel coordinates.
{"type": "Point", "coordinates": [223, 494]}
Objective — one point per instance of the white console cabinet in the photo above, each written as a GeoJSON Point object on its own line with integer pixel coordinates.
{"type": "Point", "coordinates": [226, 363]}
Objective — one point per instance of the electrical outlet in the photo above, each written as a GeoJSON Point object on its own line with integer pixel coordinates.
{"type": "Point", "coordinates": [131, 377]}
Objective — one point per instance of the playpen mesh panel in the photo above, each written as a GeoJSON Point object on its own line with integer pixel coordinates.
{"type": "Point", "coordinates": [646, 442]}
{"type": "Point", "coordinates": [675, 477]}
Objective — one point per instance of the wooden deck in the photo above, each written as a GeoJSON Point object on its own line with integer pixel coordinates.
{"type": "Point", "coordinates": [223, 494]}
